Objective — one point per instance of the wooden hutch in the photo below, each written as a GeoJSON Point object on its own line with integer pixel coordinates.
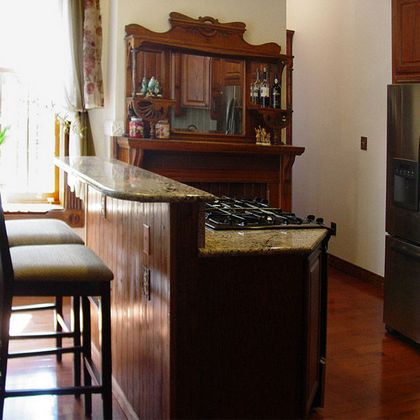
{"type": "Point", "coordinates": [205, 69]}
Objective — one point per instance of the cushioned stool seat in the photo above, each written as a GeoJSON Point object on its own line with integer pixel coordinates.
{"type": "Point", "coordinates": [57, 263]}
{"type": "Point", "coordinates": [40, 232]}
{"type": "Point", "coordinates": [58, 270]}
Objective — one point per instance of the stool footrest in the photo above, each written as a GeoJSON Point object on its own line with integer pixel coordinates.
{"type": "Point", "coordinates": [55, 350]}
{"type": "Point", "coordinates": [42, 335]}
{"type": "Point", "coordinates": [33, 307]}
{"type": "Point", "coordinates": [71, 390]}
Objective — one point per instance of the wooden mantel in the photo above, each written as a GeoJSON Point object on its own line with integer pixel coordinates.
{"type": "Point", "coordinates": [222, 168]}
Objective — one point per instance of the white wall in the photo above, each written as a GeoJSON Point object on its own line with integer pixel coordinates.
{"type": "Point", "coordinates": [265, 22]}
{"type": "Point", "coordinates": [342, 66]}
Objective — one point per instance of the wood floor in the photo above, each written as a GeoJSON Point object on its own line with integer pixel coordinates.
{"type": "Point", "coordinates": [370, 374]}
{"type": "Point", "coordinates": [39, 372]}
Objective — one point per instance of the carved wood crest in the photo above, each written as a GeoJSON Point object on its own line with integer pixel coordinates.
{"type": "Point", "coordinates": [205, 34]}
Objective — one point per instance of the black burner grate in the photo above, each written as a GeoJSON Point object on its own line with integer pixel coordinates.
{"type": "Point", "coordinates": [229, 213]}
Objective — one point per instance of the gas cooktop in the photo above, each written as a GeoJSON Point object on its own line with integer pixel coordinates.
{"type": "Point", "coordinates": [228, 213]}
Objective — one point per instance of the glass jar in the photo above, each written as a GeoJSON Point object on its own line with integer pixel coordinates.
{"type": "Point", "coordinates": [162, 129]}
{"type": "Point", "coordinates": [136, 127]}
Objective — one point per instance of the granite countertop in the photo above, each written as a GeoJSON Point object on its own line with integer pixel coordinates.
{"type": "Point", "coordinates": [261, 242]}
{"type": "Point", "coordinates": [119, 180]}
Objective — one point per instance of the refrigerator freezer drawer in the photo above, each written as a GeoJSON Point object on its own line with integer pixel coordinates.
{"type": "Point", "coordinates": [402, 288]}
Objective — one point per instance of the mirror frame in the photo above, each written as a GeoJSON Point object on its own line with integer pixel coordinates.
{"type": "Point", "coordinates": [202, 36]}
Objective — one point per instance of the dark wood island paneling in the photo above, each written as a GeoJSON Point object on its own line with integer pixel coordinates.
{"type": "Point", "coordinates": [205, 324]}
{"type": "Point", "coordinates": [220, 336]}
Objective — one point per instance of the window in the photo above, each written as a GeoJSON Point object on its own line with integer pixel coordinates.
{"type": "Point", "coordinates": [29, 92]}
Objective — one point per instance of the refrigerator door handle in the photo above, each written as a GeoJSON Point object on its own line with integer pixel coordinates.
{"type": "Point", "coordinates": [406, 249]}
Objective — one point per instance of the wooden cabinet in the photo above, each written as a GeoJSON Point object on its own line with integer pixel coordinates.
{"type": "Point", "coordinates": [406, 41]}
{"type": "Point", "coordinates": [195, 87]}
{"type": "Point", "coordinates": [316, 330]}
{"type": "Point", "coordinates": [199, 336]}
{"type": "Point", "coordinates": [270, 353]}
{"type": "Point", "coordinates": [226, 72]}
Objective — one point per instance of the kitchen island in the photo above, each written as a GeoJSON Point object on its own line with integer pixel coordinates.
{"type": "Point", "coordinates": [205, 324]}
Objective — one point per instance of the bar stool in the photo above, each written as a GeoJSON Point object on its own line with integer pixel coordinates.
{"type": "Point", "coordinates": [45, 232]}
{"type": "Point", "coordinates": [57, 270]}
{"type": "Point", "coordinates": [40, 232]}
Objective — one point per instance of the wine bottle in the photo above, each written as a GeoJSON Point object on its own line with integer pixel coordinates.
{"type": "Point", "coordinates": [276, 93]}
{"type": "Point", "coordinates": [265, 90]}
{"type": "Point", "coordinates": [255, 89]}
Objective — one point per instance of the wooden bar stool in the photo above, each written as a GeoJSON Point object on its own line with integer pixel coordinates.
{"type": "Point", "coordinates": [45, 232]}
{"type": "Point", "coordinates": [57, 270]}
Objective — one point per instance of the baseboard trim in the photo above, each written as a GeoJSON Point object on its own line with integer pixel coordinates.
{"type": "Point", "coordinates": [117, 392]}
{"type": "Point", "coordinates": [356, 271]}
{"type": "Point", "coordinates": [125, 405]}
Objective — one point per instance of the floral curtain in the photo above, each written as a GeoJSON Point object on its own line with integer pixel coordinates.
{"type": "Point", "coordinates": [83, 84]}
{"type": "Point", "coordinates": [92, 50]}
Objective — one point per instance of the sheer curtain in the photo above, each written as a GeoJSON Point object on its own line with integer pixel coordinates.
{"type": "Point", "coordinates": [29, 89]}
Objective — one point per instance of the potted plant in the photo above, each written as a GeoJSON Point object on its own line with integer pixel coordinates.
{"type": "Point", "coordinates": [3, 134]}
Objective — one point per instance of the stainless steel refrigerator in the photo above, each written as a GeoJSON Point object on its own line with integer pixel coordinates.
{"type": "Point", "coordinates": [402, 255]}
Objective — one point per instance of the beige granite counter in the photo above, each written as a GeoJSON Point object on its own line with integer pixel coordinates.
{"type": "Point", "coordinates": [261, 242]}
{"type": "Point", "coordinates": [119, 180]}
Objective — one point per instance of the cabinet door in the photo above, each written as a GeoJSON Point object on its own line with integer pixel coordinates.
{"type": "Point", "coordinates": [313, 334]}
{"type": "Point", "coordinates": [195, 81]}
{"type": "Point", "coordinates": [406, 40]}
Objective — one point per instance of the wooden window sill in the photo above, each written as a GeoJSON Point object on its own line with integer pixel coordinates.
{"type": "Point", "coordinates": [73, 217]}
{"type": "Point", "coordinates": [30, 207]}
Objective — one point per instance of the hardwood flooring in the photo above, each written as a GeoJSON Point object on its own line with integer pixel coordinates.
{"type": "Point", "coordinates": [38, 372]}
{"type": "Point", "coordinates": [370, 374]}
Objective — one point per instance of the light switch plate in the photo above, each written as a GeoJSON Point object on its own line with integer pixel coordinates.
{"type": "Point", "coordinates": [146, 283]}
{"type": "Point", "coordinates": [363, 143]}
{"type": "Point", "coordinates": [146, 239]}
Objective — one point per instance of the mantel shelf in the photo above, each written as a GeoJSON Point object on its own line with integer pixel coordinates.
{"type": "Point", "coordinates": [212, 147]}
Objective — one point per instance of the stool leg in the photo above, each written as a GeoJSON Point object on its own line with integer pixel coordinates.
{"type": "Point", "coordinates": [106, 355]}
{"type": "Point", "coordinates": [4, 346]}
{"type": "Point", "coordinates": [58, 312]}
{"type": "Point", "coordinates": [76, 340]}
{"type": "Point", "coordinates": [87, 352]}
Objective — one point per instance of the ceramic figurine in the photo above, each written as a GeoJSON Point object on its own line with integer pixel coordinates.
{"type": "Point", "coordinates": [151, 86]}
{"type": "Point", "coordinates": [265, 136]}
{"type": "Point", "coordinates": [258, 135]}
{"type": "Point", "coordinates": [157, 91]}
{"type": "Point", "coordinates": [143, 89]}
{"type": "Point", "coordinates": [262, 136]}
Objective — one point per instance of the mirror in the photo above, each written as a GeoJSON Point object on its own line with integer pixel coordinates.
{"type": "Point", "coordinates": [208, 93]}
